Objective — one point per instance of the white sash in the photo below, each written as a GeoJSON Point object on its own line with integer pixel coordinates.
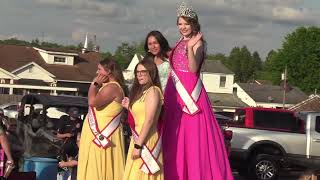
{"type": "Point", "coordinates": [190, 101]}
{"type": "Point", "coordinates": [150, 164]}
{"type": "Point", "coordinates": [101, 137]}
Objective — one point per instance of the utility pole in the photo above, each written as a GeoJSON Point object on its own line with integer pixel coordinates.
{"type": "Point", "coordinates": [284, 87]}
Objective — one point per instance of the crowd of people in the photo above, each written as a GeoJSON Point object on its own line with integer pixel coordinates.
{"type": "Point", "coordinates": [174, 132]}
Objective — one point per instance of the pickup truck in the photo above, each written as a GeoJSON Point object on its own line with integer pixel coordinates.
{"type": "Point", "coordinates": [266, 140]}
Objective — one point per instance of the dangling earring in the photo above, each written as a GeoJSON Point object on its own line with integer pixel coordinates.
{"type": "Point", "coordinates": [149, 50]}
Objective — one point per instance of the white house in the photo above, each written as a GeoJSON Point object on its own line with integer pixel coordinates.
{"type": "Point", "coordinates": [218, 81]}
{"type": "Point", "coordinates": [216, 77]}
{"type": "Point", "coordinates": [25, 69]}
{"type": "Point", "coordinates": [128, 73]}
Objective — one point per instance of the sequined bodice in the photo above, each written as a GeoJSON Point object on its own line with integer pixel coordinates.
{"type": "Point", "coordinates": [180, 57]}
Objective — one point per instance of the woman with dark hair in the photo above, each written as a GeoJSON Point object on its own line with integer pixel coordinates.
{"type": "Point", "coordinates": [193, 146]}
{"type": "Point", "coordinates": [101, 154]}
{"type": "Point", "coordinates": [157, 46]}
{"type": "Point", "coordinates": [144, 160]}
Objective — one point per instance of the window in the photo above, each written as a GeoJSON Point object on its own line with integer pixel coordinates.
{"type": "Point", "coordinates": [239, 118]}
{"type": "Point", "coordinates": [59, 59]}
{"type": "Point", "coordinates": [318, 124]}
{"type": "Point", "coordinates": [234, 90]}
{"type": "Point", "coordinates": [276, 120]}
{"type": "Point", "coordinates": [222, 81]}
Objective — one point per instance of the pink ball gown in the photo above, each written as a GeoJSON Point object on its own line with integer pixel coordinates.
{"type": "Point", "coordinates": [193, 145]}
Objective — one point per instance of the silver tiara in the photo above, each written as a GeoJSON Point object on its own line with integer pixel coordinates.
{"type": "Point", "coordinates": [186, 11]}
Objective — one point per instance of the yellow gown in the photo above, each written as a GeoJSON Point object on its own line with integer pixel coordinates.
{"type": "Point", "coordinates": [132, 169]}
{"type": "Point", "coordinates": [97, 163]}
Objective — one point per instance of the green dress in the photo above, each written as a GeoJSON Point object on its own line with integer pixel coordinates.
{"type": "Point", "coordinates": [164, 70]}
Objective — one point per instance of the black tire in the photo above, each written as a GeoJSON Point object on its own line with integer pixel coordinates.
{"type": "Point", "coordinates": [264, 167]}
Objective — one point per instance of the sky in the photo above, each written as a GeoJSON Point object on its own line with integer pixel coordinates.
{"type": "Point", "coordinates": [261, 25]}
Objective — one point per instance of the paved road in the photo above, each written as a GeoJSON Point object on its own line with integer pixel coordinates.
{"type": "Point", "coordinates": [284, 176]}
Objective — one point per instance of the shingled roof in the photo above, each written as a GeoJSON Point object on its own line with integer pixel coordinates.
{"type": "Point", "coordinates": [84, 69]}
{"type": "Point", "coordinates": [311, 104]}
{"type": "Point", "coordinates": [271, 93]}
{"type": "Point", "coordinates": [225, 100]}
{"type": "Point", "coordinates": [215, 66]}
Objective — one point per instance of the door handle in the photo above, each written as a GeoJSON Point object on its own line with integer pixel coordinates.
{"type": "Point", "coordinates": [316, 140]}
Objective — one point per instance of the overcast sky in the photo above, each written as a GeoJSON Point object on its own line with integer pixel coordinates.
{"type": "Point", "coordinates": [259, 24]}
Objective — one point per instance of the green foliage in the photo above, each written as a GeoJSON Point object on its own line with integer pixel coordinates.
{"type": "Point", "coordinates": [218, 56]}
{"type": "Point", "coordinates": [37, 43]}
{"type": "Point", "coordinates": [234, 62]}
{"type": "Point", "coordinates": [105, 54]}
{"type": "Point", "coordinates": [243, 64]}
{"type": "Point", "coordinates": [125, 52]}
{"type": "Point", "coordinates": [14, 41]}
{"type": "Point", "coordinates": [257, 61]}
{"type": "Point", "coordinates": [300, 52]}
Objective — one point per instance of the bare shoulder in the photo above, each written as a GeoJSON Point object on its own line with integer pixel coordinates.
{"type": "Point", "coordinates": [110, 86]}
{"type": "Point", "coordinates": [153, 92]}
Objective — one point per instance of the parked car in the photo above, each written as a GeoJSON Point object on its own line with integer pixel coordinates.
{"type": "Point", "coordinates": [36, 128]}
{"type": "Point", "coordinates": [227, 133]}
{"type": "Point", "coordinates": [10, 109]}
{"type": "Point", "coordinates": [267, 140]}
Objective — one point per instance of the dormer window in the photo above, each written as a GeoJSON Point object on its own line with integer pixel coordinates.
{"type": "Point", "coordinates": [59, 60]}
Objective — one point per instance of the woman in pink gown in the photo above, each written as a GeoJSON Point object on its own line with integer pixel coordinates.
{"type": "Point", "coordinates": [193, 145]}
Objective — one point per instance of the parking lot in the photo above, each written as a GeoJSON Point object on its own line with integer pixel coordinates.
{"type": "Point", "coordinates": [293, 175]}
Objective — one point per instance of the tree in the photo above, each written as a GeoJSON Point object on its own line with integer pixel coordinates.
{"type": "Point", "coordinates": [269, 58]}
{"type": "Point", "coordinates": [125, 52]}
{"type": "Point", "coordinates": [218, 56]}
{"type": "Point", "coordinates": [300, 52]}
{"type": "Point", "coordinates": [266, 72]}
{"type": "Point", "coordinates": [105, 54]}
{"type": "Point", "coordinates": [14, 41]}
{"type": "Point", "coordinates": [234, 62]}
{"type": "Point", "coordinates": [35, 43]}
{"type": "Point", "coordinates": [257, 61]}
{"type": "Point", "coordinates": [80, 46]}
{"type": "Point", "coordinates": [244, 66]}
{"type": "Point", "coordinates": [247, 65]}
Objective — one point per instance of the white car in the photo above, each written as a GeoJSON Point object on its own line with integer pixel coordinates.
{"type": "Point", "coordinates": [10, 110]}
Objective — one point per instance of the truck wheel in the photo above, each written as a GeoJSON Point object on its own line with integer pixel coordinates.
{"type": "Point", "coordinates": [264, 167]}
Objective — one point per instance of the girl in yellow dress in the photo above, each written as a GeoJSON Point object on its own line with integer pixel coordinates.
{"type": "Point", "coordinates": [144, 160]}
{"type": "Point", "coordinates": [101, 154]}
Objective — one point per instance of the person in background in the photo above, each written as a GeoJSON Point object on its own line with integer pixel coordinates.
{"type": "Point", "coordinates": [157, 46]}
{"type": "Point", "coordinates": [72, 164]}
{"type": "Point", "coordinates": [2, 119]}
{"type": "Point", "coordinates": [5, 146]}
{"type": "Point", "coordinates": [16, 145]}
{"type": "Point", "coordinates": [69, 125]}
